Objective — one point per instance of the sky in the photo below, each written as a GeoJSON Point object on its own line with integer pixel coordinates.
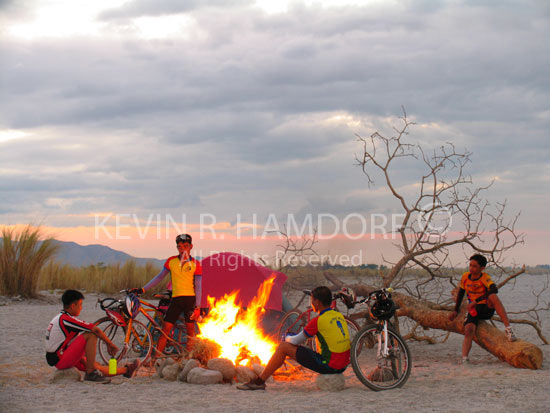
{"type": "Point", "coordinates": [121, 121]}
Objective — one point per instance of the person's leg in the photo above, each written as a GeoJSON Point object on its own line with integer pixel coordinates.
{"type": "Point", "coordinates": [494, 302]}
{"type": "Point", "coordinates": [81, 354]}
{"type": "Point", "coordinates": [188, 308]}
{"type": "Point", "coordinates": [119, 369]}
{"type": "Point", "coordinates": [190, 328]}
{"type": "Point", "coordinates": [73, 356]}
{"type": "Point", "coordinates": [469, 332]}
{"type": "Point", "coordinates": [176, 307]}
{"type": "Point", "coordinates": [283, 351]}
{"type": "Point", "coordinates": [91, 346]}
{"type": "Point", "coordinates": [166, 328]}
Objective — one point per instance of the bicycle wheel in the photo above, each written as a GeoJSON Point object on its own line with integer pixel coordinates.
{"type": "Point", "coordinates": [116, 334]}
{"type": "Point", "coordinates": [292, 323]}
{"type": "Point", "coordinates": [353, 327]}
{"type": "Point", "coordinates": [139, 345]}
{"type": "Point", "coordinates": [374, 369]}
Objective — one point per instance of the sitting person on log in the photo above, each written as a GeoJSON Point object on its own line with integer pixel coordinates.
{"type": "Point", "coordinates": [332, 333]}
{"type": "Point", "coordinates": [71, 342]}
{"type": "Point", "coordinates": [483, 302]}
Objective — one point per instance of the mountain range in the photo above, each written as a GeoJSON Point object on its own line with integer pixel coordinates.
{"type": "Point", "coordinates": [83, 255]}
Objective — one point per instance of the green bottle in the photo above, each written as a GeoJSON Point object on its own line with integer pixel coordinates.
{"type": "Point", "coordinates": [112, 366]}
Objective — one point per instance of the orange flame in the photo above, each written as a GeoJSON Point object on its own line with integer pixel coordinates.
{"type": "Point", "coordinates": [237, 331]}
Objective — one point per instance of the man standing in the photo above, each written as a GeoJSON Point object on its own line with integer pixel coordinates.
{"type": "Point", "coordinates": [483, 302]}
{"type": "Point", "coordinates": [332, 333]}
{"type": "Point", "coordinates": [186, 278]}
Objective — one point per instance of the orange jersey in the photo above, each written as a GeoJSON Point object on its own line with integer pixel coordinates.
{"type": "Point", "coordinates": [476, 288]}
{"type": "Point", "coordinates": [183, 280]}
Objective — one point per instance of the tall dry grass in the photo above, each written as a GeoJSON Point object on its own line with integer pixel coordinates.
{"type": "Point", "coordinates": [97, 278]}
{"type": "Point", "coordinates": [22, 256]}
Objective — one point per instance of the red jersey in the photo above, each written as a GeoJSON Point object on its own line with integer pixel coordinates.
{"type": "Point", "coordinates": [62, 330]}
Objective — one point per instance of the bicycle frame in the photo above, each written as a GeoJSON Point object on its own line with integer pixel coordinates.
{"type": "Point", "coordinates": [382, 349]}
{"type": "Point", "coordinates": [121, 319]}
{"type": "Point", "coordinates": [156, 326]}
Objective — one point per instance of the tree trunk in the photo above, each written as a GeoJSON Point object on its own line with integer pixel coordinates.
{"type": "Point", "coordinates": [520, 354]}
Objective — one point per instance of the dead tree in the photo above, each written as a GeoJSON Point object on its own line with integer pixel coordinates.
{"type": "Point", "coordinates": [429, 315]}
{"type": "Point", "coordinates": [443, 211]}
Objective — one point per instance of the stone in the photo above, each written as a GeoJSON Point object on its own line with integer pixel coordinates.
{"type": "Point", "coordinates": [67, 375]}
{"type": "Point", "coordinates": [171, 371]}
{"type": "Point", "coordinates": [381, 374]}
{"type": "Point", "coordinates": [198, 375]}
{"type": "Point", "coordinates": [224, 366]}
{"type": "Point", "coordinates": [191, 364]}
{"type": "Point", "coordinates": [258, 369]}
{"type": "Point", "coordinates": [330, 382]}
{"type": "Point", "coordinates": [160, 364]}
{"type": "Point", "coordinates": [245, 374]}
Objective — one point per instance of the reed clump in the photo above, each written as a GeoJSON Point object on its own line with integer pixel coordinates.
{"type": "Point", "coordinates": [23, 254]}
{"type": "Point", "coordinates": [99, 278]}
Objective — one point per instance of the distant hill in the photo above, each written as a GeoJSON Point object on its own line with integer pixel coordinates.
{"type": "Point", "coordinates": [83, 255]}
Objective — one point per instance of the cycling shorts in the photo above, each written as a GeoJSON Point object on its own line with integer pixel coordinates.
{"type": "Point", "coordinates": [184, 304]}
{"type": "Point", "coordinates": [313, 361]}
{"type": "Point", "coordinates": [484, 312]}
{"type": "Point", "coordinates": [73, 356]}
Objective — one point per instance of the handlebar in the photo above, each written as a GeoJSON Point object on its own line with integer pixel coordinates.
{"type": "Point", "coordinates": [378, 294]}
{"type": "Point", "coordinates": [346, 299]}
{"type": "Point", "coordinates": [108, 302]}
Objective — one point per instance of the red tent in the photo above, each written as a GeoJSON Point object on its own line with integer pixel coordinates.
{"type": "Point", "coordinates": [226, 272]}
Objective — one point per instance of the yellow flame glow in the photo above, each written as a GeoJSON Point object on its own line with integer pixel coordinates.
{"type": "Point", "coordinates": [237, 331]}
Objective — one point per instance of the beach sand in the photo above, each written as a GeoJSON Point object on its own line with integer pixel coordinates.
{"type": "Point", "coordinates": [438, 383]}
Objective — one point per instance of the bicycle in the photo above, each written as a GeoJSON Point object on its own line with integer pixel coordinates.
{"type": "Point", "coordinates": [295, 320]}
{"type": "Point", "coordinates": [131, 336]}
{"type": "Point", "coordinates": [380, 357]}
{"type": "Point", "coordinates": [179, 331]}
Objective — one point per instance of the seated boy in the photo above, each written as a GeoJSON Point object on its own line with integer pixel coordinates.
{"type": "Point", "coordinates": [483, 302]}
{"type": "Point", "coordinates": [331, 330]}
{"type": "Point", "coordinates": [71, 342]}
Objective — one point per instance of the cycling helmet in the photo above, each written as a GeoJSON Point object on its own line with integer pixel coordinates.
{"type": "Point", "coordinates": [382, 309]}
{"type": "Point", "coordinates": [184, 238]}
{"type": "Point", "coordinates": [131, 305]}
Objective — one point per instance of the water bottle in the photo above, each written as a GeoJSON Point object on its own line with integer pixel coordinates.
{"type": "Point", "coordinates": [112, 366]}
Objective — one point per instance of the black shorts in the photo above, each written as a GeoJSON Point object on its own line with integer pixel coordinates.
{"type": "Point", "coordinates": [183, 304]}
{"type": "Point", "coordinates": [483, 313]}
{"type": "Point", "coordinates": [313, 361]}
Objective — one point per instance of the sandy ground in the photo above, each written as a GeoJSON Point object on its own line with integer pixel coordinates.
{"type": "Point", "coordinates": [437, 382]}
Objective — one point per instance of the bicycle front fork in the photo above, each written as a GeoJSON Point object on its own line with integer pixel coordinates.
{"type": "Point", "coordinates": [382, 350]}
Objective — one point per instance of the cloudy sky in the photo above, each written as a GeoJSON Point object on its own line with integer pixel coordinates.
{"type": "Point", "coordinates": [144, 109]}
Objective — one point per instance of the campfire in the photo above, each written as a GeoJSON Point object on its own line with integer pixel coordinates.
{"type": "Point", "coordinates": [237, 331]}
